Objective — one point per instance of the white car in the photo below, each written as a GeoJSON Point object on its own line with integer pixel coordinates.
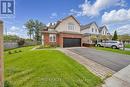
{"type": "Point", "coordinates": [112, 44]}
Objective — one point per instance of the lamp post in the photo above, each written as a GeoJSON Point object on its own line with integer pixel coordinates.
{"type": "Point", "coordinates": [1, 55]}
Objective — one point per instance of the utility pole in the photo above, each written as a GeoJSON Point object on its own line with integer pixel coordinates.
{"type": "Point", "coordinates": [1, 55]}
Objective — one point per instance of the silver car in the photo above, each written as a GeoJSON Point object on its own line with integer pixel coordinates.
{"type": "Point", "coordinates": [112, 44]}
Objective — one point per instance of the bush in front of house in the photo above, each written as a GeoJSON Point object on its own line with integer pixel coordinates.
{"type": "Point", "coordinates": [20, 51]}
{"type": "Point", "coordinates": [54, 45]}
{"type": "Point", "coordinates": [47, 46]}
{"type": "Point", "coordinates": [9, 52]}
{"type": "Point", "coordinates": [7, 84]}
{"type": "Point", "coordinates": [15, 51]}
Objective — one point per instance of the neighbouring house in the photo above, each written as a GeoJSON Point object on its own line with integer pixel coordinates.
{"type": "Point", "coordinates": [103, 30]}
{"type": "Point", "coordinates": [92, 33]}
{"type": "Point", "coordinates": [64, 33]}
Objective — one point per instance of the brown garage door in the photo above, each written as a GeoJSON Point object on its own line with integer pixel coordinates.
{"type": "Point", "coordinates": [71, 42]}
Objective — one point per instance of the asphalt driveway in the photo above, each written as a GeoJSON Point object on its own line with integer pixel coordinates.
{"type": "Point", "coordinates": [111, 60]}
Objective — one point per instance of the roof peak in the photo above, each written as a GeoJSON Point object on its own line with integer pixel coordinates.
{"type": "Point", "coordinates": [1, 21]}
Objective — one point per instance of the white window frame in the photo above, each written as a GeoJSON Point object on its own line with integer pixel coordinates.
{"type": "Point", "coordinates": [71, 26]}
{"type": "Point", "coordinates": [52, 37]}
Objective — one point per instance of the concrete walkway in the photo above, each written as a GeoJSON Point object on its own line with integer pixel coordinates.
{"type": "Point", "coordinates": [92, 66]}
{"type": "Point", "coordinates": [119, 79]}
{"type": "Point", "coordinates": [127, 49]}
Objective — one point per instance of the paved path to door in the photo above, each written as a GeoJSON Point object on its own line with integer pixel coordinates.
{"type": "Point", "coordinates": [111, 60]}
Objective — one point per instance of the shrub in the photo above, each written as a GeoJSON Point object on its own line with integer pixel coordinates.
{"type": "Point", "coordinates": [40, 47]}
{"type": "Point", "coordinates": [15, 51]}
{"type": "Point", "coordinates": [21, 42]}
{"type": "Point", "coordinates": [9, 52]}
{"type": "Point", "coordinates": [47, 46]}
{"type": "Point", "coordinates": [20, 51]}
{"type": "Point", "coordinates": [53, 45]}
{"type": "Point", "coordinates": [7, 84]}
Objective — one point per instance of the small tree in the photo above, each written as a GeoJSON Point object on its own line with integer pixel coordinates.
{"type": "Point", "coordinates": [21, 42]}
{"type": "Point", "coordinates": [115, 37]}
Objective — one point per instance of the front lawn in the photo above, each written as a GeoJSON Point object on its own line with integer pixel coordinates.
{"type": "Point", "coordinates": [113, 50]}
{"type": "Point", "coordinates": [127, 45]}
{"type": "Point", "coordinates": [46, 68]}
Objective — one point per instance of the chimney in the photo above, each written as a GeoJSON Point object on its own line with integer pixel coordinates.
{"type": "Point", "coordinates": [1, 55]}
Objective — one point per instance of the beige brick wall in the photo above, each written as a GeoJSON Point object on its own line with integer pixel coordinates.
{"type": "Point", "coordinates": [1, 53]}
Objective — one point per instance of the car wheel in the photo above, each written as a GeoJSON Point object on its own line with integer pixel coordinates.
{"type": "Point", "coordinates": [98, 45]}
{"type": "Point", "coordinates": [114, 47]}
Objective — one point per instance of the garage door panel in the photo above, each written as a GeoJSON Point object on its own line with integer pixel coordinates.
{"type": "Point", "coordinates": [71, 42]}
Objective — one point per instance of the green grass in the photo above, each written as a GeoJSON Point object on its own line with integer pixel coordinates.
{"type": "Point", "coordinates": [127, 46]}
{"type": "Point", "coordinates": [113, 50]}
{"type": "Point", "coordinates": [46, 68]}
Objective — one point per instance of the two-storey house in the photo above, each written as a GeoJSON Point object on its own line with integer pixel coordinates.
{"type": "Point", "coordinates": [65, 33]}
{"type": "Point", "coordinates": [92, 33]}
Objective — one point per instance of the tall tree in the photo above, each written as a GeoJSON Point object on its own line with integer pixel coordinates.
{"type": "Point", "coordinates": [115, 37]}
{"type": "Point", "coordinates": [34, 27]}
{"type": "Point", "coordinates": [38, 27]}
{"type": "Point", "coordinates": [30, 28]}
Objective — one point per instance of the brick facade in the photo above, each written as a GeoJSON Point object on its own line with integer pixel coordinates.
{"type": "Point", "coordinates": [59, 38]}
{"type": "Point", "coordinates": [46, 39]}
{"type": "Point", "coordinates": [1, 53]}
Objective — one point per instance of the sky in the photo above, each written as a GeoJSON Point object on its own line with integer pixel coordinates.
{"type": "Point", "coordinates": [115, 14]}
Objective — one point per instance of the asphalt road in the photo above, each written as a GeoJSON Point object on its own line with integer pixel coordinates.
{"type": "Point", "coordinates": [111, 60]}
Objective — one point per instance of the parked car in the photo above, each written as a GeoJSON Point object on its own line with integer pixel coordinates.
{"type": "Point", "coordinates": [112, 44]}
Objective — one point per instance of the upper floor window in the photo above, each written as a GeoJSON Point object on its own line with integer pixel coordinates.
{"type": "Point", "coordinates": [95, 30]}
{"type": "Point", "coordinates": [71, 26]}
{"type": "Point", "coordinates": [92, 29]}
{"type": "Point", "coordinates": [103, 32]}
{"type": "Point", "coordinates": [52, 37]}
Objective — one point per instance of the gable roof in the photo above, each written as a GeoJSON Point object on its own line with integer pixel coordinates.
{"type": "Point", "coordinates": [83, 27]}
{"type": "Point", "coordinates": [56, 24]}
{"type": "Point", "coordinates": [1, 21]}
{"type": "Point", "coordinates": [60, 21]}
{"type": "Point", "coordinates": [100, 28]}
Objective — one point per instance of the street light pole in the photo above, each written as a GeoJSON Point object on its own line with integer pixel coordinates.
{"type": "Point", "coordinates": [1, 55]}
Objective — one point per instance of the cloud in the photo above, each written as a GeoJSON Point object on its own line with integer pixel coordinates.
{"type": "Point", "coordinates": [17, 31]}
{"type": "Point", "coordinates": [74, 12]}
{"type": "Point", "coordinates": [116, 16]}
{"type": "Point", "coordinates": [125, 29]}
{"type": "Point", "coordinates": [89, 9]}
{"type": "Point", "coordinates": [53, 15]}
{"type": "Point", "coordinates": [13, 30]}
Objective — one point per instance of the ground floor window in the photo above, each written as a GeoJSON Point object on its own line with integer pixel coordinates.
{"type": "Point", "coordinates": [52, 37]}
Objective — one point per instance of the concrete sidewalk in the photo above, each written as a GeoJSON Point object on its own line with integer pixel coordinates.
{"type": "Point", "coordinates": [119, 79]}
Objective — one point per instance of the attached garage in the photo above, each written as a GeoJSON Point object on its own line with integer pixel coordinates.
{"type": "Point", "coordinates": [71, 42]}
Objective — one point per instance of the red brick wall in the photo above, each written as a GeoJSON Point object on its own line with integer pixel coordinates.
{"type": "Point", "coordinates": [59, 38]}
{"type": "Point", "coordinates": [46, 39]}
